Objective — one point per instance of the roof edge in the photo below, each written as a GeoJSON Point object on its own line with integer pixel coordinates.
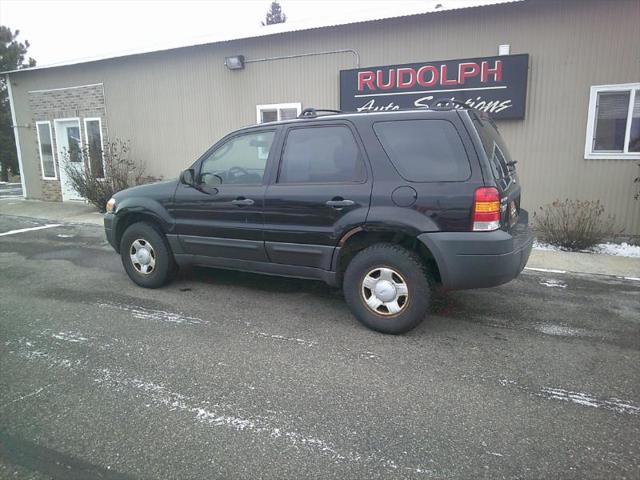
{"type": "Point", "coordinates": [265, 31]}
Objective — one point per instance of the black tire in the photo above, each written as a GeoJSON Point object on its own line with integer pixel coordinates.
{"type": "Point", "coordinates": [164, 264]}
{"type": "Point", "coordinates": [412, 273]}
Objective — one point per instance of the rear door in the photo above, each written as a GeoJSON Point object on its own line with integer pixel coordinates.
{"type": "Point", "coordinates": [320, 189]}
{"type": "Point", "coordinates": [222, 215]}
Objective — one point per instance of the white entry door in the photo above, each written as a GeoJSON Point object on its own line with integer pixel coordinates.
{"type": "Point", "coordinates": [69, 153]}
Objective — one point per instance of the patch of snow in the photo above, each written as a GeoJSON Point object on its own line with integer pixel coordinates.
{"type": "Point", "coordinates": [559, 330]}
{"type": "Point", "coordinates": [587, 400]}
{"type": "Point", "coordinates": [550, 282]}
{"type": "Point", "coordinates": [142, 313]}
{"type": "Point", "coordinates": [64, 235]}
{"type": "Point", "coordinates": [299, 341]}
{"type": "Point", "coordinates": [547, 247]}
{"type": "Point", "coordinates": [579, 398]}
{"type": "Point", "coordinates": [617, 249]}
{"type": "Point", "coordinates": [73, 337]}
{"type": "Point", "coordinates": [34, 393]}
{"type": "Point", "coordinates": [220, 415]}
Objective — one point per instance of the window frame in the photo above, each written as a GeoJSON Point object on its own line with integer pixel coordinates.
{"type": "Point", "coordinates": [223, 141]}
{"type": "Point", "coordinates": [283, 147]}
{"type": "Point", "coordinates": [277, 107]}
{"type": "Point", "coordinates": [53, 153]}
{"type": "Point", "coordinates": [589, 153]}
{"type": "Point", "coordinates": [86, 139]}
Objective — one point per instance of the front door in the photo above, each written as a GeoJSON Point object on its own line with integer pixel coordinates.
{"type": "Point", "coordinates": [69, 154]}
{"type": "Point", "coordinates": [322, 190]}
{"type": "Point", "coordinates": [221, 216]}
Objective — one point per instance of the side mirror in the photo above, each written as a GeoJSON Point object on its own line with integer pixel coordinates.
{"type": "Point", "coordinates": [187, 177]}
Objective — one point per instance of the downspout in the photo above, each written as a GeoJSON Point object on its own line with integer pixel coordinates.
{"type": "Point", "coordinates": [14, 125]}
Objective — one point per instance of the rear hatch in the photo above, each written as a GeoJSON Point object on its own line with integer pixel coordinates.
{"type": "Point", "coordinates": [503, 169]}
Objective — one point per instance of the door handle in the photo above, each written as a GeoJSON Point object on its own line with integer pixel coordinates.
{"type": "Point", "coordinates": [243, 202]}
{"type": "Point", "coordinates": [340, 203]}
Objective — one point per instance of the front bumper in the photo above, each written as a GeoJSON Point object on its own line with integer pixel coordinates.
{"type": "Point", "coordinates": [110, 230]}
{"type": "Point", "coordinates": [480, 259]}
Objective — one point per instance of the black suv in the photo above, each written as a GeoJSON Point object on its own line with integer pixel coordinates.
{"type": "Point", "coordinates": [387, 205]}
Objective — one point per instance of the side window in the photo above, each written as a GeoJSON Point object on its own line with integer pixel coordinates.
{"type": "Point", "coordinates": [241, 160]}
{"type": "Point", "coordinates": [93, 137]}
{"type": "Point", "coordinates": [424, 150]}
{"type": "Point", "coordinates": [45, 145]}
{"type": "Point", "coordinates": [321, 155]}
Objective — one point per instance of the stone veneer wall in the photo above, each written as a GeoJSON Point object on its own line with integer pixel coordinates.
{"type": "Point", "coordinates": [72, 102]}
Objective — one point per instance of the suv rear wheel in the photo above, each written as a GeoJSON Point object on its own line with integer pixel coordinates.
{"type": "Point", "coordinates": [387, 288]}
{"type": "Point", "coordinates": [146, 256]}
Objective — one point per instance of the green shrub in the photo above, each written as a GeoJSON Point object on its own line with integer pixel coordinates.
{"type": "Point", "coordinates": [97, 183]}
{"type": "Point", "coordinates": [574, 224]}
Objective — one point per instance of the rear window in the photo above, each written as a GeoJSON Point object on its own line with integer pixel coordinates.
{"type": "Point", "coordinates": [424, 150]}
{"type": "Point", "coordinates": [495, 149]}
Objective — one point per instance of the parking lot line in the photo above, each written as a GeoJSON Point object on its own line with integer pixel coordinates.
{"type": "Point", "coordinates": [31, 229]}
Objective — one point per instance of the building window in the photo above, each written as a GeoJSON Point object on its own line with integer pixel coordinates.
{"type": "Point", "coordinates": [613, 128]}
{"type": "Point", "coordinates": [278, 111]}
{"type": "Point", "coordinates": [45, 146]}
{"type": "Point", "coordinates": [93, 137]}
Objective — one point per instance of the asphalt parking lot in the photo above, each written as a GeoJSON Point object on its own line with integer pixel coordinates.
{"type": "Point", "coordinates": [238, 376]}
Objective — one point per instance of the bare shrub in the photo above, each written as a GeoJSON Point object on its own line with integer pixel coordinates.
{"type": "Point", "coordinates": [98, 182]}
{"type": "Point", "coordinates": [574, 224]}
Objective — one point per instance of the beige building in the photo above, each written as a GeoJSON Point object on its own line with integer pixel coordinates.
{"type": "Point", "coordinates": [561, 78]}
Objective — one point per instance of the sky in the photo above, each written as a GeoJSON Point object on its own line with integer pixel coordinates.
{"type": "Point", "coordinates": [63, 30]}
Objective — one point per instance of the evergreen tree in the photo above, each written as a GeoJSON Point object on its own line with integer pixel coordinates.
{"type": "Point", "coordinates": [275, 15]}
{"type": "Point", "coordinates": [12, 57]}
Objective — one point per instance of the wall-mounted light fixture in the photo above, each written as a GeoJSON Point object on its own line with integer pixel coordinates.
{"type": "Point", "coordinates": [234, 63]}
{"type": "Point", "coordinates": [504, 49]}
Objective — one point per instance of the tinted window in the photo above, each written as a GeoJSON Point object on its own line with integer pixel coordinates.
{"type": "Point", "coordinates": [424, 150]}
{"type": "Point", "coordinates": [321, 155]}
{"type": "Point", "coordinates": [496, 150]}
{"type": "Point", "coordinates": [240, 160]}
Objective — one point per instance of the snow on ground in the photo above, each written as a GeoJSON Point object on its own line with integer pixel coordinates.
{"type": "Point", "coordinates": [618, 249]}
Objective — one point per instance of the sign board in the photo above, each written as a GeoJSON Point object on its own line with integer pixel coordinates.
{"type": "Point", "coordinates": [496, 85]}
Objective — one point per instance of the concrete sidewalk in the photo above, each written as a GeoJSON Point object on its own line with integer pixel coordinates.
{"type": "Point", "coordinates": [589, 263]}
{"type": "Point", "coordinates": [72, 212]}
{"type": "Point", "coordinates": [570, 262]}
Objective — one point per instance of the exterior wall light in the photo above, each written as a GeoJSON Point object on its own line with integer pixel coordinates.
{"type": "Point", "coordinates": [504, 49]}
{"type": "Point", "coordinates": [234, 63]}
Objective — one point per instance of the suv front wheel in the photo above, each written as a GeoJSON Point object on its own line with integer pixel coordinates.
{"type": "Point", "coordinates": [146, 255]}
{"type": "Point", "coordinates": [387, 288]}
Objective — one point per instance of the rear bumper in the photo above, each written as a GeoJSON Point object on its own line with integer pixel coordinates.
{"type": "Point", "coordinates": [480, 259]}
{"type": "Point", "coordinates": [110, 230]}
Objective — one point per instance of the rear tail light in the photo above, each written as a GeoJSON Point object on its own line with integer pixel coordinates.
{"type": "Point", "coordinates": [486, 210]}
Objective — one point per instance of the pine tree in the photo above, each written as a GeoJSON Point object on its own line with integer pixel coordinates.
{"type": "Point", "coordinates": [275, 15]}
{"type": "Point", "coordinates": [12, 57]}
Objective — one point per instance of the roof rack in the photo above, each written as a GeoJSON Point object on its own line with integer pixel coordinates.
{"type": "Point", "coordinates": [313, 112]}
